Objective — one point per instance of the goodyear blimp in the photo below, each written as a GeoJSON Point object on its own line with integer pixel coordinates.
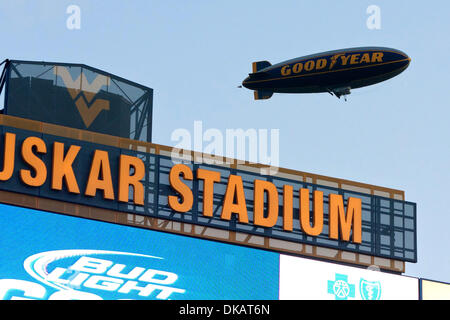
{"type": "Point", "coordinates": [335, 72]}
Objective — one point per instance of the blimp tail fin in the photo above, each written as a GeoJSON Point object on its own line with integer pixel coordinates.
{"type": "Point", "coordinates": [261, 95]}
{"type": "Point", "coordinates": [259, 65]}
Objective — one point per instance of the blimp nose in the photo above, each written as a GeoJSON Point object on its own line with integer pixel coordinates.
{"type": "Point", "coordinates": [406, 60]}
{"type": "Point", "coordinates": [406, 63]}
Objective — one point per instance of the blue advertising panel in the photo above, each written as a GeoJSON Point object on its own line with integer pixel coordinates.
{"type": "Point", "coordinates": [51, 256]}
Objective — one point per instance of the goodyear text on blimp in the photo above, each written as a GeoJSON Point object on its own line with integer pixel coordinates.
{"type": "Point", "coordinates": [339, 59]}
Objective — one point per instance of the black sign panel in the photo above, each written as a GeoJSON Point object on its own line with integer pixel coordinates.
{"type": "Point", "coordinates": [80, 97]}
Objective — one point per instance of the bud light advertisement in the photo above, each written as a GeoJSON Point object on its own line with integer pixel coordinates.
{"type": "Point", "coordinates": [48, 256]}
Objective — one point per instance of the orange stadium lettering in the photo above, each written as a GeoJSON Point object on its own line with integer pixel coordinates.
{"type": "Point", "coordinates": [343, 223]}
{"type": "Point", "coordinates": [99, 179]}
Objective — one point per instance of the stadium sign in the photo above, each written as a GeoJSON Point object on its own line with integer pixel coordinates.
{"type": "Point", "coordinates": [61, 174]}
{"type": "Point", "coordinates": [82, 168]}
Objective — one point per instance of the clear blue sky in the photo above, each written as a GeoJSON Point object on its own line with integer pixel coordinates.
{"type": "Point", "coordinates": [194, 54]}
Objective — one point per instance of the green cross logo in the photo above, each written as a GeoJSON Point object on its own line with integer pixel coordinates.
{"type": "Point", "coordinates": [341, 288]}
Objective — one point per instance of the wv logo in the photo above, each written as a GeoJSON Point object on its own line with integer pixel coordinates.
{"type": "Point", "coordinates": [370, 290]}
{"type": "Point", "coordinates": [88, 107]}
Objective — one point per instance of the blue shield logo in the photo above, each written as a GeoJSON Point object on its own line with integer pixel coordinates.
{"type": "Point", "coordinates": [370, 290]}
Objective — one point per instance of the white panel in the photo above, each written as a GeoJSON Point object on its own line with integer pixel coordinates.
{"type": "Point", "coordinates": [432, 290]}
{"type": "Point", "coordinates": [302, 278]}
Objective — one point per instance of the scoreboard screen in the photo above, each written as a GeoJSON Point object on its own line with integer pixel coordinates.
{"type": "Point", "coordinates": [52, 256]}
